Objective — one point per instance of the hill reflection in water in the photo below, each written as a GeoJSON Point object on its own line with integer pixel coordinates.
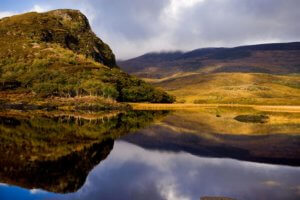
{"type": "Point", "coordinates": [215, 133]}
{"type": "Point", "coordinates": [131, 172]}
{"type": "Point", "coordinates": [56, 152]}
{"type": "Point", "coordinates": [182, 155]}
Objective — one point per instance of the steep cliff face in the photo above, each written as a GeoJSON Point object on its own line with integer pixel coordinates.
{"type": "Point", "coordinates": [56, 54]}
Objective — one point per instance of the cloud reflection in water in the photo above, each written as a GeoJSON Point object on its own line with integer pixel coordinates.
{"type": "Point", "coordinates": [131, 172]}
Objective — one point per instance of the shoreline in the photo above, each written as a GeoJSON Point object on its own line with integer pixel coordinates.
{"type": "Point", "coordinates": [161, 106]}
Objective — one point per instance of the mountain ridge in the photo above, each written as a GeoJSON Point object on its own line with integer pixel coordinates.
{"type": "Point", "coordinates": [277, 58]}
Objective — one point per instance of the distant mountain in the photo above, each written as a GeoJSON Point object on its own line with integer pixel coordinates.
{"type": "Point", "coordinates": [277, 58]}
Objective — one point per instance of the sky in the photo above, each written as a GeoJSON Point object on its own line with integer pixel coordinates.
{"type": "Point", "coordinates": [135, 27]}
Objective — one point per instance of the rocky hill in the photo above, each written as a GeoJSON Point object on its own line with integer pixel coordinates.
{"type": "Point", "coordinates": [56, 55]}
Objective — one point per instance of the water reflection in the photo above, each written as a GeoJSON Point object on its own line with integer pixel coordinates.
{"type": "Point", "coordinates": [57, 152]}
{"type": "Point", "coordinates": [131, 172]}
{"type": "Point", "coordinates": [64, 174]}
{"type": "Point", "coordinates": [180, 156]}
{"type": "Point", "coordinates": [272, 149]}
{"type": "Point", "coordinates": [205, 134]}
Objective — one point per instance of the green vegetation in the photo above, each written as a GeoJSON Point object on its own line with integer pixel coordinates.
{"type": "Point", "coordinates": [52, 136]}
{"type": "Point", "coordinates": [55, 54]}
{"type": "Point", "coordinates": [58, 149]}
{"type": "Point", "coordinates": [252, 118]}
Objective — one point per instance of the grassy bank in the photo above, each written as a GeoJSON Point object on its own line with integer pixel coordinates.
{"type": "Point", "coordinates": [28, 101]}
{"type": "Point", "coordinates": [186, 106]}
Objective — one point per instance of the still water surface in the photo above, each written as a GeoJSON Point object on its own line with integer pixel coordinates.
{"type": "Point", "coordinates": [149, 155]}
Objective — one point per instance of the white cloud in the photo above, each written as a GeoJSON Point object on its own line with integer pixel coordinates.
{"type": "Point", "coordinates": [177, 6]}
{"type": "Point", "coordinates": [6, 14]}
{"type": "Point", "coordinates": [38, 8]}
{"type": "Point", "coordinates": [169, 192]}
{"type": "Point", "coordinates": [36, 191]}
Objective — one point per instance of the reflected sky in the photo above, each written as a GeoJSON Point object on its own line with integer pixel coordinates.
{"type": "Point", "coordinates": [131, 172]}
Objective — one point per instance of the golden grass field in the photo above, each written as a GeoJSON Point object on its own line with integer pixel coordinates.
{"type": "Point", "coordinates": [187, 106]}
{"type": "Point", "coordinates": [232, 88]}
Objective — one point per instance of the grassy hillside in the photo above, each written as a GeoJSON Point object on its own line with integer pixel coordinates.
{"type": "Point", "coordinates": [56, 55]}
{"type": "Point", "coordinates": [233, 88]}
{"type": "Point", "coordinates": [281, 58]}
{"type": "Point", "coordinates": [257, 74]}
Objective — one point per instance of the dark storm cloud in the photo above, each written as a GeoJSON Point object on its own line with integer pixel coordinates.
{"type": "Point", "coordinates": [133, 27]}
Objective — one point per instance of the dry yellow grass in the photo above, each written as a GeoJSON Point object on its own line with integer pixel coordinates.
{"type": "Point", "coordinates": [233, 88]}
{"type": "Point", "coordinates": [182, 106]}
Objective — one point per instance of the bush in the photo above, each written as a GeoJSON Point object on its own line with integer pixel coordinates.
{"type": "Point", "coordinates": [46, 89]}
{"type": "Point", "coordinates": [200, 101]}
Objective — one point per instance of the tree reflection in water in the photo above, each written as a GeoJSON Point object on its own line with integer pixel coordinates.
{"type": "Point", "coordinates": [56, 153]}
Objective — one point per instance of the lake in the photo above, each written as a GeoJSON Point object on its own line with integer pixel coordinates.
{"type": "Point", "coordinates": [168, 155]}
